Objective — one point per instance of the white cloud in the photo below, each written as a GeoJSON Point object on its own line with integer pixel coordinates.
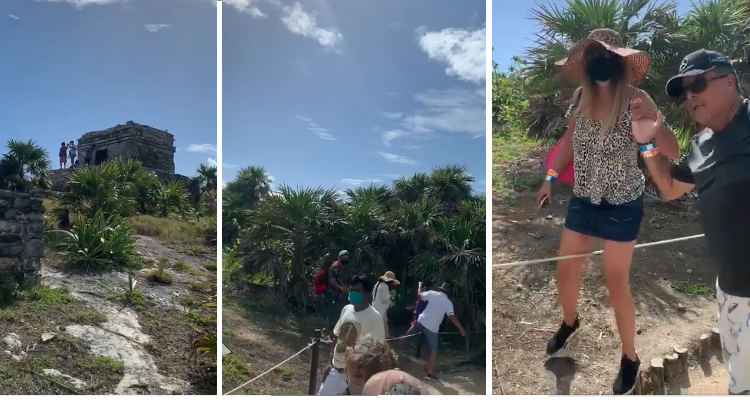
{"type": "Point", "coordinates": [246, 6]}
{"type": "Point", "coordinates": [463, 51]}
{"type": "Point", "coordinates": [156, 27]}
{"type": "Point", "coordinates": [411, 147]}
{"type": "Point", "coordinates": [400, 159]}
{"type": "Point", "coordinates": [15, 17]}
{"type": "Point", "coordinates": [202, 148]}
{"type": "Point", "coordinates": [392, 115]}
{"type": "Point", "coordinates": [321, 132]}
{"type": "Point", "coordinates": [391, 135]}
{"type": "Point", "coordinates": [211, 161]}
{"type": "Point", "coordinates": [82, 3]}
{"type": "Point", "coordinates": [229, 166]}
{"type": "Point", "coordinates": [300, 22]}
{"type": "Point", "coordinates": [454, 110]}
{"type": "Point", "coordinates": [359, 182]}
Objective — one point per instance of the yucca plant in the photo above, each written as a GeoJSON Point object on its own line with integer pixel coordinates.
{"type": "Point", "coordinates": [172, 198]}
{"type": "Point", "coordinates": [100, 242]}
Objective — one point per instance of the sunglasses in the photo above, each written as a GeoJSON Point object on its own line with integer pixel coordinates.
{"type": "Point", "coordinates": [698, 85]}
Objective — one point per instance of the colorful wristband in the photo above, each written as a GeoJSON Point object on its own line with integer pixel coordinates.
{"type": "Point", "coordinates": [551, 176]}
{"type": "Point", "coordinates": [650, 153]}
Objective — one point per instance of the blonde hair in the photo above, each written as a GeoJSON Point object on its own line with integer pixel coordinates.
{"type": "Point", "coordinates": [373, 355]}
{"type": "Point", "coordinates": [620, 91]}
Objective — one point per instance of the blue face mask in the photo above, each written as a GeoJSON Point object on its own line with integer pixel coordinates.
{"type": "Point", "coordinates": [355, 297]}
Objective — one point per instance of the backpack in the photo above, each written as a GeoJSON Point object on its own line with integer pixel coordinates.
{"type": "Point", "coordinates": [321, 282]}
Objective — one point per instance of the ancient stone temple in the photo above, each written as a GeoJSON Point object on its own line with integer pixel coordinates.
{"type": "Point", "coordinates": [153, 147]}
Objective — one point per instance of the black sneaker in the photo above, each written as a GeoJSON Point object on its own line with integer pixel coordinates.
{"type": "Point", "coordinates": [627, 376]}
{"type": "Point", "coordinates": [560, 340]}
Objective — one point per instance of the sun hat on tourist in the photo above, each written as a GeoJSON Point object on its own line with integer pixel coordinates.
{"type": "Point", "coordinates": [390, 276]}
{"type": "Point", "coordinates": [637, 62]}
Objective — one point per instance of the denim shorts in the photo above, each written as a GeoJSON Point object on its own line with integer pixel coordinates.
{"type": "Point", "coordinates": [430, 336]}
{"type": "Point", "coordinates": [610, 222]}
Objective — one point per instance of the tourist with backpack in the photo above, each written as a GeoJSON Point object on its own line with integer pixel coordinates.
{"type": "Point", "coordinates": [328, 286]}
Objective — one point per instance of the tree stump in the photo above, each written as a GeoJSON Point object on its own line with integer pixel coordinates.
{"type": "Point", "coordinates": [640, 383]}
{"type": "Point", "coordinates": [671, 367]}
{"type": "Point", "coordinates": [682, 355]}
{"type": "Point", "coordinates": [704, 347]}
{"type": "Point", "coordinates": [657, 376]}
{"type": "Point", "coordinates": [715, 338]}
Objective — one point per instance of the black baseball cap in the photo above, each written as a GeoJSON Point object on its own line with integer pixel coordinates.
{"type": "Point", "coordinates": [695, 64]}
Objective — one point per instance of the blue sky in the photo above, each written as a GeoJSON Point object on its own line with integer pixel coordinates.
{"type": "Point", "coordinates": [512, 30]}
{"type": "Point", "coordinates": [74, 66]}
{"type": "Point", "coordinates": [338, 93]}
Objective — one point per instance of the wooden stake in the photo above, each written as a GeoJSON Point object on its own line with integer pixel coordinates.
{"type": "Point", "coordinates": [682, 355]}
{"type": "Point", "coordinates": [671, 367]}
{"type": "Point", "coordinates": [704, 347]}
{"type": "Point", "coordinates": [657, 376]}
{"type": "Point", "coordinates": [715, 339]}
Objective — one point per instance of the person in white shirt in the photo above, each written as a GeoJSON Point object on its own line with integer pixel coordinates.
{"type": "Point", "coordinates": [381, 299]}
{"type": "Point", "coordinates": [357, 321]}
{"type": "Point", "coordinates": [428, 322]}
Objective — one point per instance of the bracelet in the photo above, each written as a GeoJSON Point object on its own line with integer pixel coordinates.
{"type": "Point", "coordinates": [650, 153]}
{"type": "Point", "coordinates": [551, 176]}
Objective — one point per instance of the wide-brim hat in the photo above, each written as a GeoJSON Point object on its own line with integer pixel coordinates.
{"type": "Point", "coordinates": [637, 62]}
{"type": "Point", "coordinates": [390, 276]}
{"type": "Point", "coordinates": [443, 288]}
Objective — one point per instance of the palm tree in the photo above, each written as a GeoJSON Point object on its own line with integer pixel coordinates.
{"type": "Point", "coordinates": [252, 182]}
{"type": "Point", "coordinates": [647, 25]}
{"type": "Point", "coordinates": [207, 177]}
{"type": "Point", "coordinates": [32, 160]}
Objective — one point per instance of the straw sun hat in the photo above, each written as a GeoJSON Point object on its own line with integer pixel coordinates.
{"type": "Point", "coordinates": [637, 61]}
{"type": "Point", "coordinates": [390, 276]}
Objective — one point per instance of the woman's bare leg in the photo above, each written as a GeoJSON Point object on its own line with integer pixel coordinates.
{"type": "Point", "coordinates": [569, 271]}
{"type": "Point", "coordinates": [617, 259]}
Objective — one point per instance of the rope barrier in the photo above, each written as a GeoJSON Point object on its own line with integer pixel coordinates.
{"type": "Point", "coordinates": [599, 252]}
{"type": "Point", "coordinates": [274, 367]}
{"type": "Point", "coordinates": [311, 344]}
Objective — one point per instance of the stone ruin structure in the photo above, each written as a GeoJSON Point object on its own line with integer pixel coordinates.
{"type": "Point", "coordinates": [21, 233]}
{"type": "Point", "coordinates": [153, 147]}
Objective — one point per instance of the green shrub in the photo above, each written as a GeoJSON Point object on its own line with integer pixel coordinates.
{"type": "Point", "coordinates": [160, 273]}
{"type": "Point", "coordinates": [99, 242]}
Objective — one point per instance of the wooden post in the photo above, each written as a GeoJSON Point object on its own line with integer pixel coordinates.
{"type": "Point", "coordinates": [657, 376]}
{"type": "Point", "coordinates": [313, 385]}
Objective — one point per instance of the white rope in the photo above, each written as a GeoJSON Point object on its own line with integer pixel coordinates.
{"type": "Point", "coordinates": [274, 367]}
{"type": "Point", "coordinates": [599, 252]}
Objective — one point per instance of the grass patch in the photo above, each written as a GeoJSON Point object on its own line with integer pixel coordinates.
{"type": "Point", "coordinates": [508, 150]}
{"type": "Point", "coordinates": [199, 319]}
{"type": "Point", "coordinates": [178, 234]}
{"type": "Point", "coordinates": [200, 286]}
{"type": "Point", "coordinates": [233, 370]}
{"type": "Point", "coordinates": [135, 298]}
{"type": "Point", "coordinates": [694, 289]}
{"type": "Point", "coordinates": [210, 266]}
{"type": "Point", "coordinates": [186, 268]}
{"type": "Point", "coordinates": [160, 274]}
{"type": "Point", "coordinates": [285, 372]}
{"type": "Point", "coordinates": [100, 363]}
{"type": "Point", "coordinates": [187, 300]}
{"type": "Point", "coordinates": [87, 317]}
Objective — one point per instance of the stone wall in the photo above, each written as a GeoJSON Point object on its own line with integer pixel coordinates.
{"type": "Point", "coordinates": [21, 233]}
{"type": "Point", "coordinates": [153, 147]}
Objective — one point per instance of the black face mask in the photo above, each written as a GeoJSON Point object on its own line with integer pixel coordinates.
{"type": "Point", "coordinates": [344, 262]}
{"type": "Point", "coordinates": [602, 68]}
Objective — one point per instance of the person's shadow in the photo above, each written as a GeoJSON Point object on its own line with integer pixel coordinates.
{"type": "Point", "coordinates": [563, 371]}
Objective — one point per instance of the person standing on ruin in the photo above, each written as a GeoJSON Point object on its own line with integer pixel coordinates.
{"type": "Point", "coordinates": [72, 152]}
{"type": "Point", "coordinates": [63, 154]}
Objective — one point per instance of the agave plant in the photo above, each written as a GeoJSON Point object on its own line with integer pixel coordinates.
{"type": "Point", "coordinates": [99, 242]}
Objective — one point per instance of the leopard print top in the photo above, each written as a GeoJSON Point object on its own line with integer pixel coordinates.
{"type": "Point", "coordinates": [606, 167]}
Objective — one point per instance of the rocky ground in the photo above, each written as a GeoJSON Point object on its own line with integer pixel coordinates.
{"type": "Point", "coordinates": [89, 333]}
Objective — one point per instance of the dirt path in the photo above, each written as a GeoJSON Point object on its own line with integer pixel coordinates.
{"type": "Point", "coordinates": [259, 340]}
{"type": "Point", "coordinates": [525, 311]}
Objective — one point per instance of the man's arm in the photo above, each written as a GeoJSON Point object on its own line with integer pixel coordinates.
{"type": "Point", "coordinates": [332, 279]}
{"type": "Point", "coordinates": [672, 180]}
{"type": "Point", "coordinates": [455, 321]}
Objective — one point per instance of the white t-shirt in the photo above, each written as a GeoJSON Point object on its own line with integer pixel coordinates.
{"type": "Point", "coordinates": [438, 306]}
{"type": "Point", "coordinates": [382, 299]}
{"type": "Point", "coordinates": [368, 323]}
